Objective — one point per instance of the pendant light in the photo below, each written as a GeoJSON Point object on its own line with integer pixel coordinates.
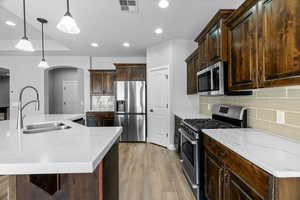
{"type": "Point", "coordinates": [67, 24]}
{"type": "Point", "coordinates": [43, 63]}
{"type": "Point", "coordinates": [24, 44]}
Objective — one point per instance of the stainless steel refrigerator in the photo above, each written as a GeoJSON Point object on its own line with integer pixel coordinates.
{"type": "Point", "coordinates": [130, 105]}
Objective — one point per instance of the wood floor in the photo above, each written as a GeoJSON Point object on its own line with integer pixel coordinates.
{"type": "Point", "coordinates": [150, 172]}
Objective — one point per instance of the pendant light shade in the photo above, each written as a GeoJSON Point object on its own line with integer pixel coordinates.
{"type": "Point", "coordinates": [43, 63]}
{"type": "Point", "coordinates": [24, 44]}
{"type": "Point", "coordinates": [68, 24]}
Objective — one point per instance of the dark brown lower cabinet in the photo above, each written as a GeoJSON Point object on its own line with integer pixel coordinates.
{"type": "Point", "coordinates": [236, 189]}
{"type": "Point", "coordinates": [213, 178]}
{"type": "Point", "coordinates": [228, 176]}
{"type": "Point", "coordinates": [102, 184]}
{"type": "Point", "coordinates": [99, 119]}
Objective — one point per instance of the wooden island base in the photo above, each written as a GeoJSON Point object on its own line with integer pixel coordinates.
{"type": "Point", "coordinates": [102, 184]}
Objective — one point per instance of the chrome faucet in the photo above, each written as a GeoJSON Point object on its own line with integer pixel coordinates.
{"type": "Point", "coordinates": [20, 124]}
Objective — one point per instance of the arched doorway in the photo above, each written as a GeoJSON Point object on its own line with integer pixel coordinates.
{"type": "Point", "coordinates": [64, 90]}
{"type": "Point", "coordinates": [4, 93]}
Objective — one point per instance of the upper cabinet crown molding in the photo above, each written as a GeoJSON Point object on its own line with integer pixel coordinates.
{"type": "Point", "coordinates": [131, 72]}
{"type": "Point", "coordinates": [221, 14]}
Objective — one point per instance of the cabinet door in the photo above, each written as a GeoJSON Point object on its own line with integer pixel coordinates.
{"type": "Point", "coordinates": [122, 74]}
{"type": "Point", "coordinates": [137, 73]}
{"type": "Point", "coordinates": [96, 83]}
{"type": "Point", "coordinates": [202, 54]}
{"type": "Point", "coordinates": [213, 178]}
{"type": "Point", "coordinates": [279, 52]}
{"type": "Point", "coordinates": [108, 122]}
{"type": "Point", "coordinates": [243, 51]}
{"type": "Point", "coordinates": [109, 78]}
{"type": "Point", "coordinates": [214, 44]}
{"type": "Point", "coordinates": [236, 189]}
{"type": "Point", "coordinates": [191, 77]}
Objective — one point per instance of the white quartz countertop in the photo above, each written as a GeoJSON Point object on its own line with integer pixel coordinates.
{"type": "Point", "coordinates": [278, 155]}
{"type": "Point", "coordinates": [76, 150]}
{"type": "Point", "coordinates": [191, 115]}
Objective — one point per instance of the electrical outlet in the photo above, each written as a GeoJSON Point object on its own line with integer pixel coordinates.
{"type": "Point", "coordinates": [280, 117]}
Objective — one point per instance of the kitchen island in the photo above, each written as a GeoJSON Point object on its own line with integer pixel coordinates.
{"type": "Point", "coordinates": [76, 163]}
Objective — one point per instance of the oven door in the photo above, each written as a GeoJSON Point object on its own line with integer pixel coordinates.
{"type": "Point", "coordinates": [190, 158]}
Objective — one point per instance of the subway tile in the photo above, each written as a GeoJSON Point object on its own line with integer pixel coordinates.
{"type": "Point", "coordinates": [272, 92]}
{"type": "Point", "coordinates": [285, 130]}
{"type": "Point", "coordinates": [258, 124]}
{"type": "Point", "coordinates": [204, 109]}
{"type": "Point", "coordinates": [292, 118]}
{"type": "Point", "coordinates": [268, 115]}
{"type": "Point", "coordinates": [293, 92]}
{"type": "Point", "coordinates": [252, 113]}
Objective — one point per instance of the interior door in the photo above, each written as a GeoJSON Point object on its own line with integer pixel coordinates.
{"type": "Point", "coordinates": [71, 97]}
{"type": "Point", "coordinates": [158, 109]}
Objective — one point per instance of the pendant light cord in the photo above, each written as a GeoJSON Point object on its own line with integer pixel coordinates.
{"type": "Point", "coordinates": [43, 45]}
{"type": "Point", "coordinates": [24, 15]}
{"type": "Point", "coordinates": [68, 6]}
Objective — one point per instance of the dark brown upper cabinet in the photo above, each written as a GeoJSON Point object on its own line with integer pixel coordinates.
{"type": "Point", "coordinates": [202, 54]}
{"type": "Point", "coordinates": [102, 82]}
{"type": "Point", "coordinates": [131, 72]}
{"type": "Point", "coordinates": [279, 42]}
{"type": "Point", "coordinates": [213, 40]}
{"type": "Point", "coordinates": [242, 49]}
{"type": "Point", "coordinates": [264, 44]}
{"type": "Point", "coordinates": [192, 67]}
{"type": "Point", "coordinates": [109, 78]}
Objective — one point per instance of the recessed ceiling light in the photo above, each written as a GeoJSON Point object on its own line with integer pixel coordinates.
{"type": "Point", "coordinates": [94, 44]}
{"type": "Point", "coordinates": [158, 31]}
{"type": "Point", "coordinates": [10, 23]}
{"type": "Point", "coordinates": [163, 3]}
{"type": "Point", "coordinates": [126, 44]}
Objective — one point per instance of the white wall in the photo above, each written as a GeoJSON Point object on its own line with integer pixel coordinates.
{"type": "Point", "coordinates": [24, 71]}
{"type": "Point", "coordinates": [173, 54]}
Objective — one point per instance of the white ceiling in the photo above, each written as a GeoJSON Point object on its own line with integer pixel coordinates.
{"type": "Point", "coordinates": [103, 22]}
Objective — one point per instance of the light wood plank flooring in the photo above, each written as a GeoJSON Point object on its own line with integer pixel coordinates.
{"type": "Point", "coordinates": [150, 172]}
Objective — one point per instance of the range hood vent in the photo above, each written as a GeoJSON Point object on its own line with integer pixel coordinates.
{"type": "Point", "coordinates": [129, 5]}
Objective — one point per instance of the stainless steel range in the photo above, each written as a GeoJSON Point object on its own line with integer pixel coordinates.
{"type": "Point", "coordinates": [192, 153]}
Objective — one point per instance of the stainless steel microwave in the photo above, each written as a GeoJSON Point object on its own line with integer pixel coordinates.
{"type": "Point", "coordinates": [211, 80]}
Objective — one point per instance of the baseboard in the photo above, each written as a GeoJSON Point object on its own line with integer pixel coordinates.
{"type": "Point", "coordinates": [172, 147]}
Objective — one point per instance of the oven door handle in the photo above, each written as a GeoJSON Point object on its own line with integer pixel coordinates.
{"type": "Point", "coordinates": [193, 142]}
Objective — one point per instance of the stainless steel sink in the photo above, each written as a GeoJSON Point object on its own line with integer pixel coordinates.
{"type": "Point", "coordinates": [45, 127]}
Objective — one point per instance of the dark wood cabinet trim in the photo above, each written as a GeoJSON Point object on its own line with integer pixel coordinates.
{"type": "Point", "coordinates": [129, 64]}
{"type": "Point", "coordinates": [223, 13]}
{"type": "Point", "coordinates": [240, 11]}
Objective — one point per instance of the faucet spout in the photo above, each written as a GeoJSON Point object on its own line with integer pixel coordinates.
{"type": "Point", "coordinates": [20, 123]}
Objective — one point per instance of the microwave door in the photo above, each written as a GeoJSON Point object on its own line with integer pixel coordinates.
{"type": "Point", "coordinates": [204, 82]}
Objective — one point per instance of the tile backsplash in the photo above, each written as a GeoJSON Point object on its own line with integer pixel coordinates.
{"type": "Point", "coordinates": [102, 103]}
{"type": "Point", "coordinates": [275, 110]}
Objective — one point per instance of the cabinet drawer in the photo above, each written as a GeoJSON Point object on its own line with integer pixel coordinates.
{"type": "Point", "coordinates": [262, 183]}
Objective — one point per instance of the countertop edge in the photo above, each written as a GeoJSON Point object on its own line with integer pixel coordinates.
{"type": "Point", "coordinates": [268, 169]}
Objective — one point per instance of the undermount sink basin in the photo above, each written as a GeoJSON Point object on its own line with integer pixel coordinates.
{"type": "Point", "coordinates": [45, 127]}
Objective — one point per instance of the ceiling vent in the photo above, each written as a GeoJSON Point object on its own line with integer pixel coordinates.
{"type": "Point", "coordinates": [129, 5]}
